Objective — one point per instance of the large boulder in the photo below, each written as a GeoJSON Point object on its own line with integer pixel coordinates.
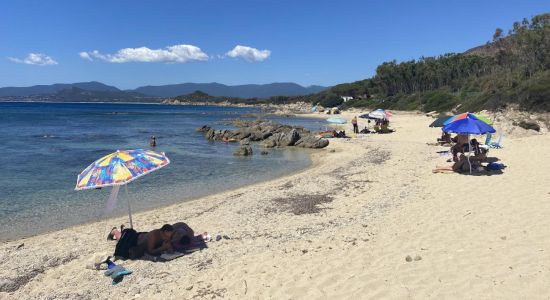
{"type": "Point", "coordinates": [244, 150]}
{"type": "Point", "coordinates": [311, 141]}
{"type": "Point", "coordinates": [289, 138]}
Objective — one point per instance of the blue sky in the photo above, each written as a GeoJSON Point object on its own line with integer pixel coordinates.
{"type": "Point", "coordinates": [307, 42]}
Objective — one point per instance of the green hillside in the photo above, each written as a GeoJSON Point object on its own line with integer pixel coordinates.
{"type": "Point", "coordinates": [513, 68]}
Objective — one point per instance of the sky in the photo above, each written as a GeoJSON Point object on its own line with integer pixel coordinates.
{"type": "Point", "coordinates": [131, 43]}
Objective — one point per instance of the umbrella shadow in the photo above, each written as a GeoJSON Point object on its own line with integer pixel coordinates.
{"type": "Point", "coordinates": [492, 159]}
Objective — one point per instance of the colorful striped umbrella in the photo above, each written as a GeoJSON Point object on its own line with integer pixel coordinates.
{"type": "Point", "coordinates": [120, 168]}
{"type": "Point", "coordinates": [467, 123]}
{"type": "Point", "coordinates": [460, 116]}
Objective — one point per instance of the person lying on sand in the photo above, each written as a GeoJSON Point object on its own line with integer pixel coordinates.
{"type": "Point", "coordinates": [154, 242]}
{"type": "Point", "coordinates": [185, 236]}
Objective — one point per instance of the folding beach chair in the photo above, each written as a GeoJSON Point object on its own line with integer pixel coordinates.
{"type": "Point", "coordinates": [498, 144]}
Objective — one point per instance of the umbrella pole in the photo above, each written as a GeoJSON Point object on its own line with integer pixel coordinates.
{"type": "Point", "coordinates": [129, 207]}
{"type": "Point", "coordinates": [469, 151]}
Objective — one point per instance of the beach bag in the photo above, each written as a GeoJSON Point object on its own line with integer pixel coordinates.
{"type": "Point", "coordinates": [128, 239]}
{"type": "Point", "coordinates": [495, 166]}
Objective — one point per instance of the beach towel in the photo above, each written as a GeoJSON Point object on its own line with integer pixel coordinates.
{"type": "Point", "coordinates": [198, 243]}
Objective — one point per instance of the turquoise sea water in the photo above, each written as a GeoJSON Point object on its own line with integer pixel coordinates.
{"type": "Point", "coordinates": [45, 145]}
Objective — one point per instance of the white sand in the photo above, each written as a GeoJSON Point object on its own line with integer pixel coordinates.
{"type": "Point", "coordinates": [478, 237]}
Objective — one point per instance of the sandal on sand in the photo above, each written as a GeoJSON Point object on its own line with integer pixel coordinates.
{"type": "Point", "coordinates": [110, 236]}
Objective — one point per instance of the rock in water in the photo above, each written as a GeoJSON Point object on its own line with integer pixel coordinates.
{"type": "Point", "coordinates": [244, 150]}
{"type": "Point", "coordinates": [311, 141]}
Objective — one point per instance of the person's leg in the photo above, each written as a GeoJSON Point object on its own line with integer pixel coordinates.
{"type": "Point", "coordinates": [114, 234]}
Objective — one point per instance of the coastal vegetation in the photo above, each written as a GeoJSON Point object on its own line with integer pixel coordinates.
{"type": "Point", "coordinates": [513, 68]}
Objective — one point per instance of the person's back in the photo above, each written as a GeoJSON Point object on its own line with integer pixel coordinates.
{"type": "Point", "coordinates": [154, 242]}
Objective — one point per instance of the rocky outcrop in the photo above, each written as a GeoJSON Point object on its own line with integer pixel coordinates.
{"type": "Point", "coordinates": [243, 151]}
{"type": "Point", "coordinates": [269, 133]}
{"type": "Point", "coordinates": [311, 142]}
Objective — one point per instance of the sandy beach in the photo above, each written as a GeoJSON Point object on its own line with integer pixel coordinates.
{"type": "Point", "coordinates": [341, 229]}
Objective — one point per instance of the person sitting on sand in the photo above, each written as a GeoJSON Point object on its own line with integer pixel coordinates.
{"type": "Point", "coordinates": [461, 141]}
{"type": "Point", "coordinates": [445, 137]}
{"type": "Point", "coordinates": [460, 166]}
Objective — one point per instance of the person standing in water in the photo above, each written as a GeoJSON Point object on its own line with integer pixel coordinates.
{"type": "Point", "coordinates": [153, 141]}
{"type": "Point", "coordinates": [354, 123]}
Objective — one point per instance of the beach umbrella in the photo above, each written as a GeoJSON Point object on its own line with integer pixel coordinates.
{"type": "Point", "coordinates": [467, 123]}
{"type": "Point", "coordinates": [478, 116]}
{"type": "Point", "coordinates": [439, 121]}
{"type": "Point", "coordinates": [337, 120]}
{"type": "Point", "coordinates": [120, 168]}
{"type": "Point", "coordinates": [378, 114]}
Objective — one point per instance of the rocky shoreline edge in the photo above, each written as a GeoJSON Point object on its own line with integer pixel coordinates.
{"type": "Point", "coordinates": [269, 133]}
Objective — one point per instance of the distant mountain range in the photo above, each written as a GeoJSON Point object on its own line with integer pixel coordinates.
{"type": "Point", "coordinates": [97, 91]}
{"type": "Point", "coordinates": [222, 90]}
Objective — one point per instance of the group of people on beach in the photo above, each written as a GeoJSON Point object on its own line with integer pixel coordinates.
{"type": "Point", "coordinates": [167, 239]}
{"type": "Point", "coordinates": [459, 145]}
{"type": "Point", "coordinates": [380, 126]}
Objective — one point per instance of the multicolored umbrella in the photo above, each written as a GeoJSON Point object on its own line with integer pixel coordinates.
{"type": "Point", "coordinates": [467, 123]}
{"type": "Point", "coordinates": [478, 116]}
{"type": "Point", "coordinates": [120, 168]}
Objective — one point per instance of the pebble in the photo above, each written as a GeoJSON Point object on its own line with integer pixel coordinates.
{"type": "Point", "coordinates": [408, 258]}
{"type": "Point", "coordinates": [218, 238]}
{"type": "Point", "coordinates": [417, 258]}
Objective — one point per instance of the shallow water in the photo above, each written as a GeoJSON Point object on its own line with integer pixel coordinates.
{"type": "Point", "coordinates": [46, 145]}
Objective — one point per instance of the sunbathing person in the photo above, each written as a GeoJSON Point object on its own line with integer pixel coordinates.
{"type": "Point", "coordinates": [185, 236]}
{"type": "Point", "coordinates": [154, 242]}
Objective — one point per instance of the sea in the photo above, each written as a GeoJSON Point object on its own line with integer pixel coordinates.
{"type": "Point", "coordinates": [44, 146]}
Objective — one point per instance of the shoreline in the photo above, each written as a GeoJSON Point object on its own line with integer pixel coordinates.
{"type": "Point", "coordinates": [311, 155]}
{"type": "Point", "coordinates": [368, 219]}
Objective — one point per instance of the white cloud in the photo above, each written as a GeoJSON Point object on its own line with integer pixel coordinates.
{"type": "Point", "coordinates": [171, 54]}
{"type": "Point", "coordinates": [35, 59]}
{"type": "Point", "coordinates": [85, 55]}
{"type": "Point", "coordinates": [248, 53]}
